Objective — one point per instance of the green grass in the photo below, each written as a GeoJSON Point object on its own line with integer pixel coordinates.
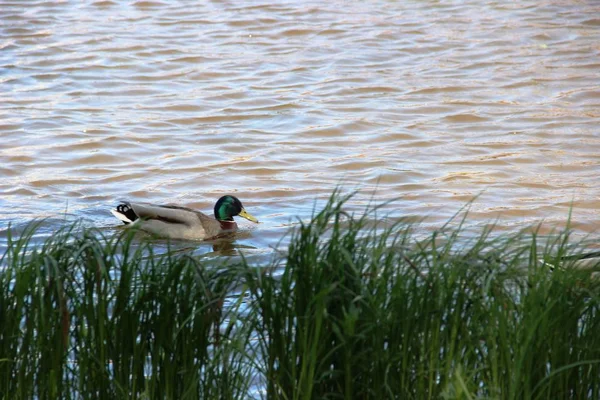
{"type": "Point", "coordinates": [353, 310]}
{"type": "Point", "coordinates": [86, 316]}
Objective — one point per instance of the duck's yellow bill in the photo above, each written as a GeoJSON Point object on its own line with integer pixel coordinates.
{"type": "Point", "coordinates": [247, 215]}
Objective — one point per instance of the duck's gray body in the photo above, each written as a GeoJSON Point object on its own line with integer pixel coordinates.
{"type": "Point", "coordinates": [172, 221]}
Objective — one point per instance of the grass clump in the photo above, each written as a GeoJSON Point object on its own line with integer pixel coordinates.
{"type": "Point", "coordinates": [86, 316]}
{"type": "Point", "coordinates": [358, 312]}
{"type": "Point", "coordinates": [353, 310]}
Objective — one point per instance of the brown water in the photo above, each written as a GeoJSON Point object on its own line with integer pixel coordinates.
{"type": "Point", "coordinates": [430, 103]}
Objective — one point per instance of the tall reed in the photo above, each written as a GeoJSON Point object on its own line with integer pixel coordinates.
{"type": "Point", "coordinates": [86, 316]}
{"type": "Point", "coordinates": [353, 310]}
{"type": "Point", "coordinates": [358, 312]}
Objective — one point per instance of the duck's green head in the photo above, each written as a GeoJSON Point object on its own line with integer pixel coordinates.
{"type": "Point", "coordinates": [228, 207]}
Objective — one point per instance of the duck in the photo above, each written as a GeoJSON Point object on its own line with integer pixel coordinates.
{"type": "Point", "coordinates": [176, 222]}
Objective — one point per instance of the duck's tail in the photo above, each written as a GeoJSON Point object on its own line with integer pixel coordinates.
{"type": "Point", "coordinates": [125, 213]}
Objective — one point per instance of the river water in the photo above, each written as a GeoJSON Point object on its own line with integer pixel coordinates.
{"type": "Point", "coordinates": [425, 103]}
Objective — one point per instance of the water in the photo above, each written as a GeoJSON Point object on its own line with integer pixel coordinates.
{"type": "Point", "coordinates": [429, 103]}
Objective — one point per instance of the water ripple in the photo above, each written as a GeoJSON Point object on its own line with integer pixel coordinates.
{"type": "Point", "coordinates": [429, 103]}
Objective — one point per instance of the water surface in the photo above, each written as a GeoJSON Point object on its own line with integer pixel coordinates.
{"type": "Point", "coordinates": [429, 103]}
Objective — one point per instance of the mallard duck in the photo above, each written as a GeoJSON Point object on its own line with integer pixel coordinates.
{"type": "Point", "coordinates": [177, 222]}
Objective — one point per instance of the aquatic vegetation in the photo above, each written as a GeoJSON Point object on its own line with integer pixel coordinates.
{"type": "Point", "coordinates": [90, 316]}
{"type": "Point", "coordinates": [355, 309]}
{"type": "Point", "coordinates": [370, 314]}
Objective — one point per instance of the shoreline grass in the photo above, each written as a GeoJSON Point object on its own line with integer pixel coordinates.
{"type": "Point", "coordinates": [352, 311]}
